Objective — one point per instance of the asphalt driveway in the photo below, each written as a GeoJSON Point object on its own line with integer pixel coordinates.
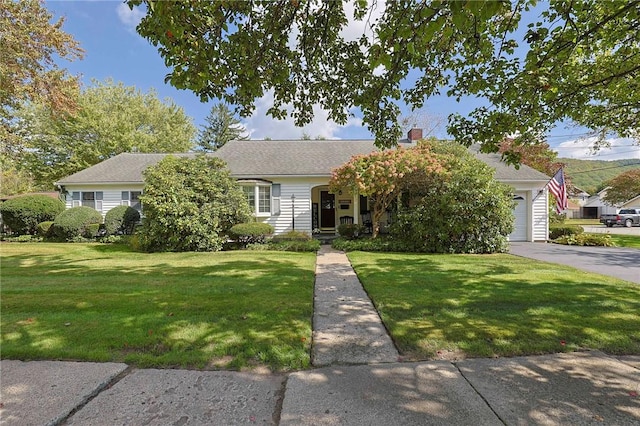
{"type": "Point", "coordinates": [619, 262]}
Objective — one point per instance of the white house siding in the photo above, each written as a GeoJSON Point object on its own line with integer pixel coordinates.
{"type": "Point", "coordinates": [284, 222]}
{"type": "Point", "coordinates": [112, 195]}
{"type": "Point", "coordinates": [540, 216]}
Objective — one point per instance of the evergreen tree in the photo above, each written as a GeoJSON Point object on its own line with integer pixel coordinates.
{"type": "Point", "coordinates": [221, 127]}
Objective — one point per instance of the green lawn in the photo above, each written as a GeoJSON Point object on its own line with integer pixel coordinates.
{"type": "Point", "coordinates": [631, 241]}
{"type": "Point", "coordinates": [205, 310]}
{"type": "Point", "coordinates": [588, 222]}
{"type": "Point", "coordinates": [497, 305]}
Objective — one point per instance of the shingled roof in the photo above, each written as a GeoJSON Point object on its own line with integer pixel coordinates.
{"type": "Point", "coordinates": [247, 159]}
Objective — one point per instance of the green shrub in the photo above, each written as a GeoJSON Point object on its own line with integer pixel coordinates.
{"type": "Point", "coordinates": [556, 219]}
{"type": "Point", "coordinates": [190, 204]}
{"type": "Point", "coordinates": [559, 231]}
{"type": "Point", "coordinates": [115, 239]}
{"type": "Point", "coordinates": [44, 228]}
{"type": "Point", "coordinates": [586, 240]}
{"type": "Point", "coordinates": [350, 231]}
{"type": "Point", "coordinates": [22, 239]}
{"type": "Point", "coordinates": [76, 223]}
{"type": "Point", "coordinates": [309, 245]}
{"type": "Point", "coordinates": [251, 233]}
{"type": "Point", "coordinates": [121, 220]}
{"type": "Point", "coordinates": [378, 244]}
{"type": "Point", "coordinates": [92, 230]}
{"type": "Point", "coordinates": [292, 236]}
{"type": "Point", "coordinates": [23, 214]}
{"type": "Point", "coordinates": [463, 211]}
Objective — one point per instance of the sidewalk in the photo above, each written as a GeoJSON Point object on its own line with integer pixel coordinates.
{"type": "Point", "coordinates": [587, 388]}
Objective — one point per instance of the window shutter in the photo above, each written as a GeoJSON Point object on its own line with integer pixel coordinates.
{"type": "Point", "coordinates": [275, 199]}
{"type": "Point", "coordinates": [75, 199]}
{"type": "Point", "coordinates": [99, 197]}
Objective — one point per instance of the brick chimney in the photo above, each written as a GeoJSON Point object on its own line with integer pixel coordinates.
{"type": "Point", "coordinates": [414, 134]}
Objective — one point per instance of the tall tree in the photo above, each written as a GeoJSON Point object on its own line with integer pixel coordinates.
{"type": "Point", "coordinates": [111, 119]}
{"type": "Point", "coordinates": [623, 187]}
{"type": "Point", "coordinates": [31, 44]}
{"type": "Point", "coordinates": [577, 61]}
{"type": "Point", "coordinates": [221, 127]}
{"type": "Point", "coordinates": [30, 47]}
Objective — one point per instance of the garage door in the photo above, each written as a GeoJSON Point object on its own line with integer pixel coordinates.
{"type": "Point", "coordinates": [520, 226]}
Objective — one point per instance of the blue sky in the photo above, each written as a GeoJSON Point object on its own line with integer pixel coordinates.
{"type": "Point", "coordinates": [113, 49]}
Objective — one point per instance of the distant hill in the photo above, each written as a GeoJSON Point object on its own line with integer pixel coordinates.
{"type": "Point", "coordinates": [590, 175]}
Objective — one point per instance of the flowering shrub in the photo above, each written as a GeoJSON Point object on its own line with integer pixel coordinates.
{"type": "Point", "coordinates": [381, 176]}
{"type": "Point", "coordinates": [447, 200]}
{"type": "Point", "coordinates": [603, 240]}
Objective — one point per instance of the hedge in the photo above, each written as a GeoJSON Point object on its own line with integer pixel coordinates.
{"type": "Point", "coordinates": [77, 222]}
{"type": "Point", "coordinates": [23, 214]}
{"type": "Point", "coordinates": [121, 220]}
{"type": "Point", "coordinates": [251, 233]}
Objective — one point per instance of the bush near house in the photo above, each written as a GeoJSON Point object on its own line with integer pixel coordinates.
{"type": "Point", "coordinates": [23, 214]}
{"type": "Point", "coordinates": [190, 205]}
{"type": "Point", "coordinates": [458, 209]}
{"type": "Point", "coordinates": [121, 220]}
{"type": "Point", "coordinates": [251, 233]}
{"type": "Point", "coordinates": [561, 231]}
{"type": "Point", "coordinates": [350, 230]}
{"type": "Point", "coordinates": [603, 240]}
{"type": "Point", "coordinates": [77, 222]}
{"type": "Point", "coordinates": [44, 227]}
{"type": "Point", "coordinates": [443, 199]}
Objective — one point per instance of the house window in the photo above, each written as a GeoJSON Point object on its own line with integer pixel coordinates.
{"type": "Point", "coordinates": [263, 197]}
{"type": "Point", "coordinates": [250, 193]}
{"type": "Point", "coordinates": [91, 199]}
{"type": "Point", "coordinates": [132, 199]}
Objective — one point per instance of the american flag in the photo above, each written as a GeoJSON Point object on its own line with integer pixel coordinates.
{"type": "Point", "coordinates": [558, 188]}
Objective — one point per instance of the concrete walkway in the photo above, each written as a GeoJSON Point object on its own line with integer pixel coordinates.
{"type": "Point", "coordinates": [586, 388]}
{"type": "Point", "coordinates": [346, 326]}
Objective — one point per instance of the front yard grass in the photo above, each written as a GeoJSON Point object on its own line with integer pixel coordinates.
{"type": "Point", "coordinates": [96, 302]}
{"type": "Point", "coordinates": [457, 306]}
{"type": "Point", "coordinates": [630, 241]}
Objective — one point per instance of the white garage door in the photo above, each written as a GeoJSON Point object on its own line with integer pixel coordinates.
{"type": "Point", "coordinates": [520, 226]}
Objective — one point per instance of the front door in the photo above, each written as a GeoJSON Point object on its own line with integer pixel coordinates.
{"type": "Point", "coordinates": [327, 210]}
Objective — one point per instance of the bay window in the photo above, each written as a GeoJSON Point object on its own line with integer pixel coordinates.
{"type": "Point", "coordinates": [263, 197]}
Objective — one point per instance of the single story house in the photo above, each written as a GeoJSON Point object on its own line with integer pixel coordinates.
{"type": "Point", "coordinates": [286, 182]}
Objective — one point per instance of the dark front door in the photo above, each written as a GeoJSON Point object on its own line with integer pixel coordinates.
{"type": "Point", "coordinates": [327, 210]}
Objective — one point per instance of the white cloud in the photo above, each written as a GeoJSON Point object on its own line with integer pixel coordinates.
{"type": "Point", "coordinates": [261, 126]}
{"type": "Point", "coordinates": [617, 149]}
{"type": "Point", "coordinates": [355, 29]}
{"type": "Point", "coordinates": [130, 18]}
